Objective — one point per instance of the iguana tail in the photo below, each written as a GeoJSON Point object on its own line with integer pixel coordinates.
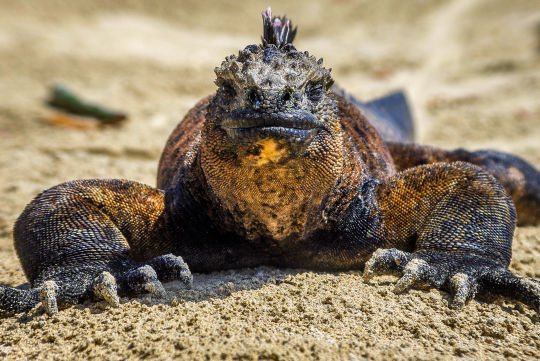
{"type": "Point", "coordinates": [394, 108]}
{"type": "Point", "coordinates": [390, 115]}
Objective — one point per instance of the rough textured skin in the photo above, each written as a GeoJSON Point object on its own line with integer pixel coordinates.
{"type": "Point", "coordinates": [278, 169]}
{"type": "Point", "coordinates": [519, 179]}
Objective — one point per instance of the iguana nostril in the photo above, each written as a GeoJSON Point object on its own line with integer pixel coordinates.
{"type": "Point", "coordinates": [286, 97]}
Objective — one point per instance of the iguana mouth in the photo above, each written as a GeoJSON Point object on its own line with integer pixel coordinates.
{"type": "Point", "coordinates": [299, 125]}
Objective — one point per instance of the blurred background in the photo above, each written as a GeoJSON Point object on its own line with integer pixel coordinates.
{"type": "Point", "coordinates": [470, 68]}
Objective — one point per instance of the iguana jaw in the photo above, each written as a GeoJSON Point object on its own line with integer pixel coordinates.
{"type": "Point", "coordinates": [246, 125]}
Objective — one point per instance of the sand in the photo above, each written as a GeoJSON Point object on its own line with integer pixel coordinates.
{"type": "Point", "coordinates": [470, 68]}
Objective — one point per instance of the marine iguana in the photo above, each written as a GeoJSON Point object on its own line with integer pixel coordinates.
{"type": "Point", "coordinates": [281, 168]}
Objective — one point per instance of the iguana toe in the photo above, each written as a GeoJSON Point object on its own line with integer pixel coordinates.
{"type": "Point", "coordinates": [385, 261]}
{"type": "Point", "coordinates": [105, 288]}
{"type": "Point", "coordinates": [464, 288]}
{"type": "Point", "coordinates": [143, 279]}
{"type": "Point", "coordinates": [416, 271]}
{"type": "Point", "coordinates": [155, 288]}
{"type": "Point", "coordinates": [172, 268]}
{"type": "Point", "coordinates": [505, 283]}
{"type": "Point", "coordinates": [48, 297]}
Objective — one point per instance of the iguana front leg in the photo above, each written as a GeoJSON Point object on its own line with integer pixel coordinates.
{"type": "Point", "coordinates": [519, 178]}
{"type": "Point", "coordinates": [93, 238]}
{"type": "Point", "coordinates": [449, 225]}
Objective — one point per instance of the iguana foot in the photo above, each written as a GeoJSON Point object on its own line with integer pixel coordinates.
{"type": "Point", "coordinates": [148, 276]}
{"type": "Point", "coordinates": [462, 276]}
{"type": "Point", "coordinates": [70, 286]}
{"type": "Point", "coordinates": [144, 278]}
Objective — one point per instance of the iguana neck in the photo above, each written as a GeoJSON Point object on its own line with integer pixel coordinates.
{"type": "Point", "coordinates": [268, 197]}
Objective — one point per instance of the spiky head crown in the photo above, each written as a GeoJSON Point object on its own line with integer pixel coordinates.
{"type": "Point", "coordinates": [275, 61]}
{"type": "Point", "coordinates": [277, 30]}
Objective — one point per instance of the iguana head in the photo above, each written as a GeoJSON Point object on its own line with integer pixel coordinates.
{"type": "Point", "coordinates": [273, 94]}
{"type": "Point", "coordinates": [272, 116]}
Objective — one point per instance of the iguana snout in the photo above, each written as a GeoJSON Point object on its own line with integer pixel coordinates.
{"type": "Point", "coordinates": [248, 125]}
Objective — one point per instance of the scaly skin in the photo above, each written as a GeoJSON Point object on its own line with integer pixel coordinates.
{"type": "Point", "coordinates": [519, 179]}
{"type": "Point", "coordinates": [278, 169]}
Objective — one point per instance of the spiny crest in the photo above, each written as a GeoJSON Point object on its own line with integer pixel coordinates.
{"type": "Point", "coordinates": [278, 31]}
{"type": "Point", "coordinates": [256, 65]}
{"type": "Point", "coordinates": [275, 57]}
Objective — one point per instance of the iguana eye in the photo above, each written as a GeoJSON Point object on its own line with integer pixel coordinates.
{"type": "Point", "coordinates": [254, 98]}
{"type": "Point", "coordinates": [228, 90]}
{"type": "Point", "coordinates": [314, 91]}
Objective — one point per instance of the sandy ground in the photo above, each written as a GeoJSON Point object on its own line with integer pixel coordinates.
{"type": "Point", "coordinates": [471, 69]}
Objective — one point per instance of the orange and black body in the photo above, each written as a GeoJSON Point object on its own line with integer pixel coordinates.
{"type": "Point", "coordinates": [281, 168]}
